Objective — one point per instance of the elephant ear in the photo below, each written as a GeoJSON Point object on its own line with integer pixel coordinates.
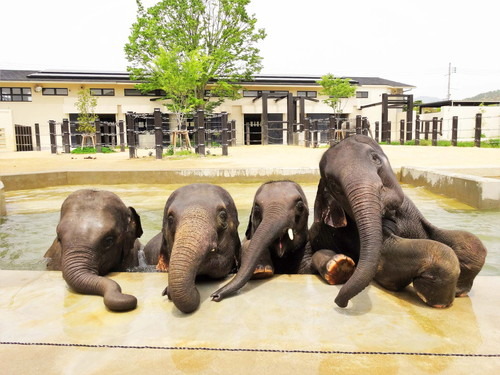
{"type": "Point", "coordinates": [326, 208]}
{"type": "Point", "coordinates": [134, 225]}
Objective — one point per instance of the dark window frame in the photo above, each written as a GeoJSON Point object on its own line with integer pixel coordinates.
{"type": "Point", "coordinates": [307, 94]}
{"type": "Point", "coordinates": [101, 92]}
{"type": "Point", "coordinates": [257, 93]}
{"type": "Point", "coordinates": [10, 94]}
{"type": "Point", "coordinates": [362, 94]}
{"type": "Point", "coordinates": [137, 92]}
{"type": "Point", "coordinates": [47, 91]}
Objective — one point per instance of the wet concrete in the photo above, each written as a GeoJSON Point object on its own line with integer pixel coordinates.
{"type": "Point", "coordinates": [288, 324]}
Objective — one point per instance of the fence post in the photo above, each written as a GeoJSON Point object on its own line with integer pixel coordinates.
{"type": "Point", "coordinates": [264, 123]}
{"type": "Point", "coordinates": [98, 137]}
{"type": "Point", "coordinates": [477, 132]}
{"type": "Point", "coordinates": [129, 119]}
{"type": "Point", "coordinates": [122, 136]}
{"type": "Point", "coordinates": [426, 129]}
{"type": "Point", "coordinates": [377, 131]}
{"type": "Point", "coordinates": [65, 137]}
{"type": "Point", "coordinates": [315, 133]}
{"type": "Point", "coordinates": [224, 133]}
{"type": "Point", "coordinates": [307, 132]}
{"type": "Point", "coordinates": [105, 137]}
{"type": "Point", "coordinates": [247, 133]}
{"type": "Point", "coordinates": [417, 130]}
{"type": "Point", "coordinates": [332, 126]}
{"type": "Point", "coordinates": [158, 133]}
{"type": "Point", "coordinates": [454, 130]}
{"type": "Point", "coordinates": [402, 132]}
{"type": "Point", "coordinates": [53, 141]}
{"type": "Point", "coordinates": [358, 124]}
{"type": "Point", "coordinates": [434, 130]}
{"type": "Point", "coordinates": [37, 137]}
{"type": "Point", "coordinates": [387, 132]}
{"type": "Point", "coordinates": [200, 125]}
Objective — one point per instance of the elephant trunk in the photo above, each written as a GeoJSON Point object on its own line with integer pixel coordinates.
{"type": "Point", "coordinates": [271, 227]}
{"type": "Point", "coordinates": [192, 243]}
{"type": "Point", "coordinates": [366, 209]}
{"type": "Point", "coordinates": [80, 270]}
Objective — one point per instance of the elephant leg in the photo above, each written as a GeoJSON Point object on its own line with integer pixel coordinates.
{"type": "Point", "coordinates": [431, 266]}
{"type": "Point", "coordinates": [264, 267]}
{"type": "Point", "coordinates": [334, 268]}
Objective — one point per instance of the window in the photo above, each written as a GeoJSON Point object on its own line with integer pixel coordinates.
{"type": "Point", "coordinates": [15, 94]}
{"type": "Point", "coordinates": [257, 93]}
{"type": "Point", "coordinates": [361, 94]}
{"type": "Point", "coordinates": [307, 94]}
{"type": "Point", "coordinates": [102, 92]}
{"type": "Point", "coordinates": [136, 92]}
{"type": "Point", "coordinates": [55, 91]}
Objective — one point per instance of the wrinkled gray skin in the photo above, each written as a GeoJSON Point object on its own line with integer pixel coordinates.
{"type": "Point", "coordinates": [96, 234]}
{"type": "Point", "coordinates": [358, 200]}
{"type": "Point", "coordinates": [276, 237]}
{"type": "Point", "coordinates": [199, 237]}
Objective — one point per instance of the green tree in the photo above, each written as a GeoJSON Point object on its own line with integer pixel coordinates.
{"type": "Point", "coordinates": [336, 89]}
{"type": "Point", "coordinates": [182, 46]}
{"type": "Point", "coordinates": [86, 104]}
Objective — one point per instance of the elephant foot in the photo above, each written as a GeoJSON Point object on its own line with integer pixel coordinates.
{"type": "Point", "coordinates": [338, 269]}
{"type": "Point", "coordinates": [263, 272]}
{"type": "Point", "coordinates": [162, 265]}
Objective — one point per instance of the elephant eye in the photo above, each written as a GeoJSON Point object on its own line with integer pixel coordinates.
{"type": "Point", "coordinates": [222, 218]}
{"type": "Point", "coordinates": [108, 241]}
{"type": "Point", "coordinates": [300, 206]}
{"type": "Point", "coordinates": [376, 159]}
{"type": "Point", "coordinates": [170, 219]}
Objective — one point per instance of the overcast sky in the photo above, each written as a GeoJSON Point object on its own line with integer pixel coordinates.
{"type": "Point", "coordinates": [409, 42]}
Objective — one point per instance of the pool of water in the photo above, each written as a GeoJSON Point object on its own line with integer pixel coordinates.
{"type": "Point", "coordinates": [32, 216]}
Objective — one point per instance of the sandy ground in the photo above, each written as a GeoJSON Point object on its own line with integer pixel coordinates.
{"type": "Point", "coordinates": [243, 157]}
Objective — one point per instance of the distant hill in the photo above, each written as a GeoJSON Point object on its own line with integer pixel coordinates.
{"type": "Point", "coordinates": [428, 99]}
{"type": "Point", "coordinates": [486, 96]}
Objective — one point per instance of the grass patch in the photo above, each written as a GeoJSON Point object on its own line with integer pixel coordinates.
{"type": "Point", "coordinates": [91, 150]}
{"type": "Point", "coordinates": [489, 143]}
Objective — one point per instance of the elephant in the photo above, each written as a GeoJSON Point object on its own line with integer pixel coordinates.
{"type": "Point", "coordinates": [96, 234]}
{"type": "Point", "coordinates": [277, 239]}
{"type": "Point", "coordinates": [362, 212]}
{"type": "Point", "coordinates": [199, 237]}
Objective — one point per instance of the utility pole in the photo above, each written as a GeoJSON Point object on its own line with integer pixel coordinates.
{"type": "Point", "coordinates": [450, 70]}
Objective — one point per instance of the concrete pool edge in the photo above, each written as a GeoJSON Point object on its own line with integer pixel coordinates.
{"type": "Point", "coordinates": [470, 188]}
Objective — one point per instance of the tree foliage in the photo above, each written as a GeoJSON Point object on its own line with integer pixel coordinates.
{"type": "Point", "coordinates": [336, 89]}
{"type": "Point", "coordinates": [180, 44]}
{"type": "Point", "coordinates": [86, 104]}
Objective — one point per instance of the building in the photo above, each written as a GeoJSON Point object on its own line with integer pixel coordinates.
{"type": "Point", "coordinates": [29, 96]}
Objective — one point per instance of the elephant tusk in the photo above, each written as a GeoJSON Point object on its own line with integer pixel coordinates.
{"type": "Point", "coordinates": [213, 250]}
{"type": "Point", "coordinates": [290, 234]}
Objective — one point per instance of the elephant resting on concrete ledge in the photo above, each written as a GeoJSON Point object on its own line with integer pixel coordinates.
{"type": "Point", "coordinates": [362, 212]}
{"type": "Point", "coordinates": [96, 234]}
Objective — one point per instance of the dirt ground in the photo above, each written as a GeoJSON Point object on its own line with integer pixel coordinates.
{"type": "Point", "coordinates": [242, 157]}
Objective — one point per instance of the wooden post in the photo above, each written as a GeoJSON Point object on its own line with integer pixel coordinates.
{"type": "Point", "coordinates": [454, 131]}
{"type": "Point", "coordinates": [402, 132]}
{"type": "Point", "coordinates": [388, 132]}
{"type": "Point", "coordinates": [434, 130]}
{"type": "Point", "coordinates": [332, 126]}
{"type": "Point", "coordinates": [426, 129]}
{"type": "Point", "coordinates": [158, 133]}
{"type": "Point", "coordinates": [233, 133]}
{"type": "Point", "coordinates": [105, 137]}
{"type": "Point", "coordinates": [377, 131]}
{"type": "Point", "coordinates": [98, 137]}
{"type": "Point", "coordinates": [264, 121]}
{"type": "Point", "coordinates": [307, 132]}
{"type": "Point", "coordinates": [122, 136]}
{"type": "Point", "coordinates": [386, 129]}
{"type": "Point", "coordinates": [224, 134]}
{"type": "Point", "coordinates": [37, 137]}
{"type": "Point", "coordinates": [417, 131]}
{"type": "Point", "coordinates": [315, 133]}
{"type": "Point", "coordinates": [53, 140]}
{"type": "Point", "coordinates": [290, 114]}
{"type": "Point", "coordinates": [247, 133]}
{"type": "Point", "coordinates": [200, 125]}
{"type": "Point", "coordinates": [358, 124]}
{"type": "Point", "coordinates": [409, 118]}
{"type": "Point", "coordinates": [65, 137]}
{"type": "Point", "coordinates": [477, 130]}
{"type": "Point", "coordinates": [129, 119]}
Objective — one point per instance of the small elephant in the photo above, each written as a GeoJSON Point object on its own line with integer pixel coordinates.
{"type": "Point", "coordinates": [276, 239]}
{"type": "Point", "coordinates": [357, 193]}
{"type": "Point", "coordinates": [199, 237]}
{"type": "Point", "coordinates": [96, 234]}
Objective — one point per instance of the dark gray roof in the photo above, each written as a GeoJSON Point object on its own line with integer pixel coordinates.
{"type": "Point", "coordinates": [78, 76]}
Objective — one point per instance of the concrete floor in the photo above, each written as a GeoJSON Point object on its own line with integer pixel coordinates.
{"type": "Point", "coordinates": [285, 325]}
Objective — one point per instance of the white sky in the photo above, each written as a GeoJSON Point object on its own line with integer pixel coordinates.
{"type": "Point", "coordinates": [410, 42]}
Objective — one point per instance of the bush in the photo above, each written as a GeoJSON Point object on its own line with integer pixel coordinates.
{"type": "Point", "coordinates": [91, 150]}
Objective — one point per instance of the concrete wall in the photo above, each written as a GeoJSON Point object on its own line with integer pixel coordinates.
{"type": "Point", "coordinates": [7, 136]}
